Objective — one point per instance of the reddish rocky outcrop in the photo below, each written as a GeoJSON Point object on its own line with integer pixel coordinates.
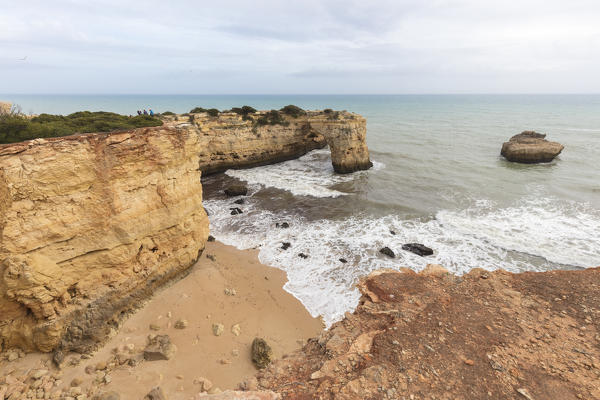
{"type": "Point", "coordinates": [530, 147]}
{"type": "Point", "coordinates": [434, 335]}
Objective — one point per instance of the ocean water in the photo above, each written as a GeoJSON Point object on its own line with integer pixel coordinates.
{"type": "Point", "coordinates": [438, 179]}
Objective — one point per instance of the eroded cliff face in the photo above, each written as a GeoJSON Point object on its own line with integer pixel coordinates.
{"type": "Point", "coordinates": [232, 142]}
{"type": "Point", "coordinates": [89, 226]}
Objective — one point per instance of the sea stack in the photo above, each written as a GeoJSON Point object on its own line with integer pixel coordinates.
{"type": "Point", "coordinates": [530, 147]}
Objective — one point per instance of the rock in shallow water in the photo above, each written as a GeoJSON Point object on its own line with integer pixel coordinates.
{"type": "Point", "coordinates": [236, 190]}
{"type": "Point", "coordinates": [530, 147]}
{"type": "Point", "coordinates": [285, 245]}
{"type": "Point", "coordinates": [388, 252]}
{"type": "Point", "coordinates": [418, 249]}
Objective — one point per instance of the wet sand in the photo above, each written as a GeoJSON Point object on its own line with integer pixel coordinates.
{"type": "Point", "coordinates": [260, 306]}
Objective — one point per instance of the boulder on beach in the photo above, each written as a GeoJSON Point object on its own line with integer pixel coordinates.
{"type": "Point", "coordinates": [236, 190]}
{"type": "Point", "coordinates": [236, 211]}
{"type": "Point", "coordinates": [156, 394]}
{"type": "Point", "coordinates": [418, 249]}
{"type": "Point", "coordinates": [530, 147]}
{"type": "Point", "coordinates": [261, 353]}
{"type": "Point", "coordinates": [159, 348]}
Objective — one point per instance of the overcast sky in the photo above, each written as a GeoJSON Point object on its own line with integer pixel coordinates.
{"type": "Point", "coordinates": [308, 46]}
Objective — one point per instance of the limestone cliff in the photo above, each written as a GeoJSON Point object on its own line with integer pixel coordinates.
{"type": "Point", "coordinates": [89, 225]}
{"type": "Point", "coordinates": [232, 142]}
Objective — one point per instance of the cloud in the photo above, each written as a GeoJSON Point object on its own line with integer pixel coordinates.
{"type": "Point", "coordinates": [310, 46]}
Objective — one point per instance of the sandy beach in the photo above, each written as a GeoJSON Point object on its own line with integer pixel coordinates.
{"type": "Point", "coordinates": [255, 300]}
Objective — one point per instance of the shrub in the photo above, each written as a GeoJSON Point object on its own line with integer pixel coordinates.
{"type": "Point", "coordinates": [328, 111]}
{"type": "Point", "coordinates": [213, 112]}
{"type": "Point", "coordinates": [293, 111]}
{"type": "Point", "coordinates": [16, 127]}
{"type": "Point", "coordinates": [244, 110]}
{"type": "Point", "coordinates": [167, 113]}
{"type": "Point", "coordinates": [272, 117]}
{"type": "Point", "coordinates": [197, 110]}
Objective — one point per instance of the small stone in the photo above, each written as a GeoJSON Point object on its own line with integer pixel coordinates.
{"type": "Point", "coordinates": [235, 211]}
{"type": "Point", "coordinates": [159, 348]}
{"type": "Point", "coordinates": [181, 324]}
{"type": "Point", "coordinates": [302, 255]}
{"type": "Point", "coordinates": [154, 327]}
{"type": "Point", "coordinates": [100, 366]}
{"type": "Point", "coordinates": [343, 260]}
{"type": "Point", "coordinates": [76, 382]}
{"type": "Point", "coordinates": [180, 377]}
{"type": "Point", "coordinates": [107, 396]}
{"type": "Point", "coordinates": [205, 384]}
{"type": "Point", "coordinates": [156, 394]}
{"type": "Point", "coordinates": [230, 292]}
{"type": "Point", "coordinates": [39, 373]}
{"type": "Point", "coordinates": [211, 257]}
{"type": "Point", "coordinates": [469, 362]}
{"type": "Point", "coordinates": [211, 238]}
{"type": "Point", "coordinates": [525, 393]}
{"type": "Point", "coordinates": [239, 201]}
{"type": "Point", "coordinates": [285, 245]}
{"type": "Point", "coordinates": [236, 330]}
{"type": "Point", "coordinates": [12, 356]}
{"type": "Point", "coordinates": [218, 329]}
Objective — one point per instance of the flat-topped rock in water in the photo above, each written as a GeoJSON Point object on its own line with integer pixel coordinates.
{"type": "Point", "coordinates": [530, 147]}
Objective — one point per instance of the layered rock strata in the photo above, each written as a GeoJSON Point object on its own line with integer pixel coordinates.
{"type": "Point", "coordinates": [530, 147]}
{"type": "Point", "coordinates": [234, 142]}
{"type": "Point", "coordinates": [485, 335]}
{"type": "Point", "coordinates": [89, 226]}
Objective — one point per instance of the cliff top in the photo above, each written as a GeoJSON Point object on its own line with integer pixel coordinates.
{"type": "Point", "coordinates": [434, 335]}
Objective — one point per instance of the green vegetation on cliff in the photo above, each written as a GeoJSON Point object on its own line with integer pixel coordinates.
{"type": "Point", "coordinates": [15, 127]}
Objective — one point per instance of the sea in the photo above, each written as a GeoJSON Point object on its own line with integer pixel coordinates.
{"type": "Point", "coordinates": [438, 179]}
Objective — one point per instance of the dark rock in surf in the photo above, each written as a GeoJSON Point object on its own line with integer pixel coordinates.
{"type": "Point", "coordinates": [388, 252]}
{"type": "Point", "coordinates": [530, 147]}
{"type": "Point", "coordinates": [343, 260]}
{"type": "Point", "coordinates": [239, 201]}
{"type": "Point", "coordinates": [286, 245]}
{"type": "Point", "coordinates": [418, 249]}
{"type": "Point", "coordinates": [392, 232]}
{"type": "Point", "coordinates": [283, 225]}
{"type": "Point", "coordinates": [211, 238]}
{"type": "Point", "coordinates": [236, 190]}
{"type": "Point", "coordinates": [235, 211]}
{"type": "Point", "coordinates": [302, 255]}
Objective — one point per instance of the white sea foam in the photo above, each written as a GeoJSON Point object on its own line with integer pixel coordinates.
{"type": "Point", "coordinates": [315, 169]}
{"type": "Point", "coordinates": [529, 236]}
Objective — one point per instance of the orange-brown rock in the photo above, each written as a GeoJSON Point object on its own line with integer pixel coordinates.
{"type": "Point", "coordinates": [530, 147]}
{"type": "Point", "coordinates": [434, 335]}
{"type": "Point", "coordinates": [89, 226]}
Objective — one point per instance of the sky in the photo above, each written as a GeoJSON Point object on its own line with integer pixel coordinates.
{"type": "Point", "coordinates": [299, 47]}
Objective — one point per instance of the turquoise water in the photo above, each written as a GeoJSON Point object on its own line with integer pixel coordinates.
{"type": "Point", "coordinates": [438, 179]}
